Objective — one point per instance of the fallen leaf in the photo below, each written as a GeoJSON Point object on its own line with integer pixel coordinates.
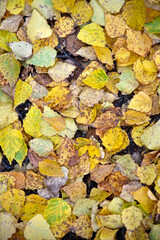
{"type": "Point", "coordinates": [11, 23]}
{"type": "Point", "coordinates": [113, 221]}
{"type": "Point", "coordinates": [75, 191]}
{"type": "Point", "coordinates": [99, 172]}
{"type": "Point", "coordinates": [87, 115]}
{"type": "Point", "coordinates": [43, 147]}
{"type": "Point", "coordinates": [133, 117]}
{"type": "Point", "coordinates": [50, 168]}
{"type": "Point", "coordinates": [98, 194]}
{"type": "Point", "coordinates": [141, 102]}
{"type": "Point", "coordinates": [84, 207]}
{"type": "Point", "coordinates": [112, 6]}
{"type": "Point", "coordinates": [98, 13]}
{"type": "Point", "coordinates": [147, 174]}
{"type": "Point", "coordinates": [63, 5]}
{"type": "Point", "coordinates": [15, 6]}
{"type": "Point", "coordinates": [153, 26]}
{"type": "Point", "coordinates": [7, 37]}
{"type": "Point", "coordinates": [87, 52]}
{"type": "Point", "coordinates": [89, 96]}
{"type": "Point", "coordinates": [7, 221]}
{"type": "Point", "coordinates": [22, 50]}
{"type": "Point", "coordinates": [64, 26]}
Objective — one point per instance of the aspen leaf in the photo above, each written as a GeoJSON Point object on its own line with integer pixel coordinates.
{"type": "Point", "coordinates": [147, 174]}
{"type": "Point", "coordinates": [134, 13]}
{"type": "Point", "coordinates": [15, 6]}
{"type": "Point", "coordinates": [98, 13]}
{"type": "Point", "coordinates": [45, 57]}
{"type": "Point", "coordinates": [132, 217]}
{"type": "Point", "coordinates": [81, 12]}
{"type": "Point", "coordinates": [13, 201]}
{"type": "Point", "coordinates": [154, 26]}
{"type": "Point", "coordinates": [97, 79]}
{"type": "Point", "coordinates": [57, 211]}
{"type": "Point", "coordinates": [10, 68]}
{"type": "Point", "coordinates": [112, 6]}
{"type": "Point", "coordinates": [22, 50]}
{"type": "Point", "coordinates": [63, 5]}
{"type": "Point", "coordinates": [92, 34]}
{"type": "Point", "coordinates": [32, 122]}
{"type": "Point", "coordinates": [7, 221]}
{"type": "Point", "coordinates": [50, 168]}
{"type": "Point", "coordinates": [22, 92]}
{"type": "Point", "coordinates": [41, 146]}
{"type": "Point", "coordinates": [64, 26]}
{"type": "Point", "coordinates": [38, 229]}
{"type": "Point", "coordinates": [7, 37]}
{"type": "Point", "coordinates": [38, 27]}
{"type": "Point", "coordinates": [141, 102]}
{"type": "Point", "coordinates": [113, 221]}
{"type": "Point", "coordinates": [11, 141]}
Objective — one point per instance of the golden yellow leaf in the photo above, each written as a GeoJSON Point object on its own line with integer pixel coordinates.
{"type": "Point", "coordinates": [132, 217]}
{"type": "Point", "coordinates": [75, 191]}
{"type": "Point", "coordinates": [106, 234]}
{"type": "Point", "coordinates": [92, 34]}
{"type": "Point", "coordinates": [142, 196]}
{"type": "Point", "coordinates": [113, 221]}
{"type": "Point", "coordinates": [13, 201]}
{"type": "Point", "coordinates": [15, 6]}
{"type": "Point", "coordinates": [87, 115]}
{"type": "Point", "coordinates": [136, 134]}
{"type": "Point", "coordinates": [115, 25]}
{"type": "Point", "coordinates": [133, 117]}
{"type": "Point", "coordinates": [157, 184]}
{"type": "Point", "coordinates": [63, 5]}
{"type": "Point", "coordinates": [104, 55]}
{"type": "Point", "coordinates": [134, 13]}
{"type": "Point", "coordinates": [81, 12]}
{"type": "Point", "coordinates": [22, 93]}
{"type": "Point", "coordinates": [147, 174]}
{"type": "Point", "coordinates": [113, 139]}
{"type": "Point", "coordinates": [38, 27]}
{"type": "Point", "coordinates": [145, 71]}
{"type": "Point", "coordinates": [141, 102]}
{"type": "Point", "coordinates": [64, 26]}
{"type": "Point", "coordinates": [34, 181]}
{"type": "Point", "coordinates": [82, 227]}
{"type": "Point", "coordinates": [58, 123]}
{"type": "Point", "coordinates": [7, 37]}
{"type": "Point", "coordinates": [98, 194]}
{"type": "Point", "coordinates": [138, 42]}
{"type": "Point", "coordinates": [50, 168]}
{"type": "Point", "coordinates": [38, 229]}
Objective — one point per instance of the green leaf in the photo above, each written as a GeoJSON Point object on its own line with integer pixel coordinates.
{"type": "Point", "coordinates": [57, 211]}
{"type": "Point", "coordinates": [112, 6]}
{"type": "Point", "coordinates": [22, 93]}
{"type": "Point", "coordinates": [98, 13]}
{"type": "Point", "coordinates": [10, 68]}
{"type": "Point", "coordinates": [154, 26]}
{"type": "Point", "coordinates": [7, 37]}
{"type": "Point", "coordinates": [21, 154]}
{"type": "Point", "coordinates": [41, 146]}
{"type": "Point", "coordinates": [32, 122]}
{"type": "Point", "coordinates": [155, 232]}
{"type": "Point", "coordinates": [45, 57]}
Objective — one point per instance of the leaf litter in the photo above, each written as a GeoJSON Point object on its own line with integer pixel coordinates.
{"type": "Point", "coordinates": [80, 116]}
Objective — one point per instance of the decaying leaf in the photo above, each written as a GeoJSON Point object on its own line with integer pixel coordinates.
{"type": "Point", "coordinates": [75, 191]}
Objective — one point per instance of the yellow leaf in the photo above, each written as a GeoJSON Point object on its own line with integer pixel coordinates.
{"type": "Point", "coordinates": [98, 194]}
{"type": "Point", "coordinates": [134, 13]}
{"type": "Point", "coordinates": [97, 79]}
{"type": "Point", "coordinates": [82, 227]}
{"type": "Point", "coordinates": [22, 93]}
{"type": "Point", "coordinates": [64, 26]}
{"type": "Point", "coordinates": [58, 123]}
{"type": "Point", "coordinates": [157, 184]}
{"type": "Point", "coordinates": [8, 115]}
{"type": "Point", "coordinates": [135, 118]}
{"type": "Point", "coordinates": [132, 217]}
{"type": "Point", "coordinates": [104, 55]}
{"type": "Point", "coordinates": [32, 122]}
{"type": "Point", "coordinates": [92, 34]}
{"type": "Point", "coordinates": [141, 102]}
{"type": "Point", "coordinates": [7, 222]}
{"type": "Point", "coordinates": [75, 191]}
{"type": "Point", "coordinates": [84, 206]}
{"type": "Point", "coordinates": [13, 201]}
{"type": "Point", "coordinates": [87, 52]}
{"type": "Point", "coordinates": [113, 221]}
{"type": "Point", "coordinates": [57, 211]}
{"type": "Point", "coordinates": [81, 12]}
{"type": "Point", "coordinates": [156, 58]}
{"type": "Point", "coordinates": [136, 134]}
{"type": "Point", "coordinates": [138, 42]}
{"type": "Point", "coordinates": [112, 6]}
{"type": "Point", "coordinates": [38, 229]}
{"type": "Point", "coordinates": [106, 234]}
{"type": "Point", "coordinates": [142, 196]}
{"type": "Point", "coordinates": [87, 115]}
{"type": "Point", "coordinates": [115, 139]}
{"type": "Point", "coordinates": [34, 205]}
{"type": "Point", "coordinates": [15, 6]}
{"type": "Point", "coordinates": [38, 27]}
{"type": "Point", "coordinates": [145, 71]}
{"type": "Point", "coordinates": [21, 154]}
{"type": "Point", "coordinates": [7, 37]}
{"type": "Point", "coordinates": [11, 141]}
{"type": "Point", "coordinates": [63, 5]}
{"type": "Point", "coordinates": [50, 168]}
{"type": "Point", "coordinates": [115, 25]}
{"type": "Point", "coordinates": [34, 181]}
{"type": "Point", "coordinates": [147, 174]}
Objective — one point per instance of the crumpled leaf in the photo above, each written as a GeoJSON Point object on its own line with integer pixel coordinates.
{"type": "Point", "coordinates": [96, 79]}
{"type": "Point", "coordinates": [92, 34]}
{"type": "Point", "coordinates": [7, 221]}
{"type": "Point", "coordinates": [134, 13]}
{"type": "Point", "coordinates": [57, 211]}
{"type": "Point", "coordinates": [152, 133]}
{"type": "Point", "coordinates": [138, 42]}
{"type": "Point", "coordinates": [38, 229]}
{"type": "Point", "coordinates": [15, 6]}
{"type": "Point", "coordinates": [128, 82]}
{"type": "Point", "coordinates": [112, 6]}
{"type": "Point", "coordinates": [98, 13]}
{"type": "Point", "coordinates": [113, 221]}
{"type": "Point", "coordinates": [75, 191]}
{"type": "Point", "coordinates": [10, 140]}
{"type": "Point", "coordinates": [81, 12]}
{"type": "Point", "coordinates": [34, 180]}
{"type": "Point", "coordinates": [32, 122]}
{"type": "Point", "coordinates": [147, 174]}
{"type": "Point", "coordinates": [154, 26]}
{"type": "Point", "coordinates": [115, 25]}
{"type": "Point", "coordinates": [22, 92]}
{"type": "Point", "coordinates": [45, 57]}
{"type": "Point", "coordinates": [50, 168]}
{"type": "Point", "coordinates": [141, 102]}
{"type": "Point", "coordinates": [10, 68]}
{"type": "Point", "coordinates": [132, 217]}
{"type": "Point", "coordinates": [7, 37]}
{"type": "Point", "coordinates": [22, 50]}
{"type": "Point", "coordinates": [82, 227]}
{"type": "Point", "coordinates": [41, 146]}
{"type": "Point", "coordinates": [13, 201]}
{"type": "Point", "coordinates": [60, 71]}
{"type": "Point", "coordinates": [38, 27]}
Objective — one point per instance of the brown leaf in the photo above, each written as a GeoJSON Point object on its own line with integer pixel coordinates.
{"type": "Point", "coordinates": [34, 181]}
{"type": "Point", "coordinates": [99, 172]}
{"type": "Point", "coordinates": [19, 177]}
